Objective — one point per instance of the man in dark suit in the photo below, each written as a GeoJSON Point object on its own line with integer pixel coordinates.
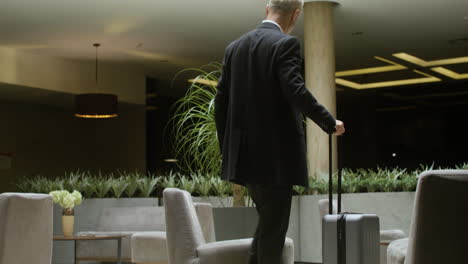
{"type": "Point", "coordinates": [261, 95]}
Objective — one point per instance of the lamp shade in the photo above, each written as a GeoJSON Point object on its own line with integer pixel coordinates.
{"type": "Point", "coordinates": [96, 105]}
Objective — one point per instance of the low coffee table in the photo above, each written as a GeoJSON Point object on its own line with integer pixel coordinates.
{"type": "Point", "coordinates": [75, 238]}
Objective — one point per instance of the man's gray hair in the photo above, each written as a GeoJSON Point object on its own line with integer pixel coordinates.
{"type": "Point", "coordinates": [286, 5]}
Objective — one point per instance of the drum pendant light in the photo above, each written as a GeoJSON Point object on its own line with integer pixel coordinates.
{"type": "Point", "coordinates": [96, 105]}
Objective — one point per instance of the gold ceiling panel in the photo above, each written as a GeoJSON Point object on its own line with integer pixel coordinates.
{"type": "Point", "coordinates": [415, 60]}
{"type": "Point", "coordinates": [395, 67]}
{"type": "Point", "coordinates": [392, 67]}
{"type": "Point", "coordinates": [360, 86]}
{"type": "Point", "coordinates": [449, 73]}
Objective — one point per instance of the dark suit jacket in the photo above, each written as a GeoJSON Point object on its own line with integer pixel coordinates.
{"type": "Point", "coordinates": [260, 98]}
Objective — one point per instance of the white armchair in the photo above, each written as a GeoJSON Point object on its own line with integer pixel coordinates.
{"type": "Point", "coordinates": [151, 247]}
{"type": "Point", "coordinates": [26, 228]}
{"type": "Point", "coordinates": [186, 243]}
{"type": "Point", "coordinates": [145, 231]}
{"type": "Point", "coordinates": [438, 228]}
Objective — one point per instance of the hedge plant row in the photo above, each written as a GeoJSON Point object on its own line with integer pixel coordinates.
{"type": "Point", "coordinates": [135, 184]}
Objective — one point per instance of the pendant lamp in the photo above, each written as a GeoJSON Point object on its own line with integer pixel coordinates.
{"type": "Point", "coordinates": [96, 105]}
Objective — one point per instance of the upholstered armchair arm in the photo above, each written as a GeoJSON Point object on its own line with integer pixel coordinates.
{"type": "Point", "coordinates": [205, 216]}
{"type": "Point", "coordinates": [396, 251]}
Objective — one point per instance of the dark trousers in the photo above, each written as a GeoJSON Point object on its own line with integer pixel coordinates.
{"type": "Point", "coordinates": [273, 205]}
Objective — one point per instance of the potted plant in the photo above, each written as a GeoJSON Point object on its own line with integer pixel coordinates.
{"type": "Point", "coordinates": [67, 201]}
{"type": "Point", "coordinates": [194, 127]}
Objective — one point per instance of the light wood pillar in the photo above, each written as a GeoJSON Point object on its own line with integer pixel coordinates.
{"type": "Point", "coordinates": [319, 55]}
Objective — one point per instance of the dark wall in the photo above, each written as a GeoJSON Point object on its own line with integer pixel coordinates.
{"type": "Point", "coordinates": [49, 141]}
{"type": "Point", "coordinates": [405, 126]}
{"type": "Point", "coordinates": [158, 113]}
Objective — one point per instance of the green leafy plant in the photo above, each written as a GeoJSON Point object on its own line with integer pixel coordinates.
{"type": "Point", "coordinates": [103, 186]}
{"type": "Point", "coordinates": [220, 187]}
{"type": "Point", "coordinates": [132, 183]}
{"type": "Point", "coordinates": [299, 190]}
{"type": "Point", "coordinates": [135, 184]}
{"type": "Point", "coordinates": [147, 185]}
{"type": "Point", "coordinates": [463, 166]}
{"type": "Point", "coordinates": [187, 184]}
{"type": "Point", "coordinates": [118, 186]}
{"type": "Point", "coordinates": [203, 185]}
{"type": "Point", "coordinates": [170, 180]}
{"type": "Point", "coordinates": [72, 180]}
{"type": "Point", "coordinates": [194, 128]}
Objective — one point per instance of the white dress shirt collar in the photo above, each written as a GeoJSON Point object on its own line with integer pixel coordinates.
{"type": "Point", "coordinates": [273, 22]}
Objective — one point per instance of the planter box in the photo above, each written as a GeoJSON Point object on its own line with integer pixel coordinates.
{"type": "Point", "coordinates": [86, 218]}
{"type": "Point", "coordinates": [394, 210]}
{"type": "Point", "coordinates": [240, 222]}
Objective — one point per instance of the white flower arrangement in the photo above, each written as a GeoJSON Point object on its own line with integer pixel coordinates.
{"type": "Point", "coordinates": [66, 199]}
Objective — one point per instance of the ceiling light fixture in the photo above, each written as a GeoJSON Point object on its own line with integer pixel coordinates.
{"type": "Point", "coordinates": [427, 79]}
{"type": "Point", "coordinates": [203, 81]}
{"type": "Point", "coordinates": [393, 67]}
{"type": "Point", "coordinates": [449, 73]}
{"type": "Point", "coordinates": [96, 105]}
{"type": "Point", "coordinates": [415, 60]}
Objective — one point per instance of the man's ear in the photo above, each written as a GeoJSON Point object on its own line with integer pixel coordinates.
{"type": "Point", "coordinates": [297, 13]}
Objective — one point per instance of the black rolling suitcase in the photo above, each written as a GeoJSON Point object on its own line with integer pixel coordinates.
{"type": "Point", "coordinates": [348, 238]}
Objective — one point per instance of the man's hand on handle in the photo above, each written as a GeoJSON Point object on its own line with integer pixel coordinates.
{"type": "Point", "coordinates": [339, 128]}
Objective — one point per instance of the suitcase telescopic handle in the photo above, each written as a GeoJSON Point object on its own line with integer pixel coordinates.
{"type": "Point", "coordinates": [330, 174]}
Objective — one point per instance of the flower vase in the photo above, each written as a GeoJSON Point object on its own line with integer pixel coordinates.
{"type": "Point", "coordinates": [68, 222]}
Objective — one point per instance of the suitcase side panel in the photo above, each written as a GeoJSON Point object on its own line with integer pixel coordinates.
{"type": "Point", "coordinates": [362, 239]}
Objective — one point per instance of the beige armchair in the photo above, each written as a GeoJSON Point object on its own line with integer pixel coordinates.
{"type": "Point", "coordinates": [186, 243]}
{"type": "Point", "coordinates": [26, 228]}
{"type": "Point", "coordinates": [438, 228]}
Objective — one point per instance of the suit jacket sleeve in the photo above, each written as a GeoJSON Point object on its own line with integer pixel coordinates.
{"type": "Point", "coordinates": [221, 102]}
{"type": "Point", "coordinates": [292, 83]}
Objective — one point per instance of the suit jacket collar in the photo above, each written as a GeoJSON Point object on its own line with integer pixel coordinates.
{"type": "Point", "coordinates": [268, 25]}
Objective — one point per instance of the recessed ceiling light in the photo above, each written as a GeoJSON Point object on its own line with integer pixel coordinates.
{"type": "Point", "coordinates": [359, 86]}
{"type": "Point", "coordinates": [203, 81]}
{"type": "Point", "coordinates": [423, 63]}
{"type": "Point", "coordinates": [449, 73]}
{"type": "Point", "coordinates": [393, 67]}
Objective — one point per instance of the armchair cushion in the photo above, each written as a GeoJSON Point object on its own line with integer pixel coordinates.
{"type": "Point", "coordinates": [149, 247]}
{"type": "Point", "coordinates": [236, 251]}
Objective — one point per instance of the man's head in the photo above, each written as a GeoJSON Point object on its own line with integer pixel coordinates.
{"type": "Point", "coordinates": [285, 12]}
